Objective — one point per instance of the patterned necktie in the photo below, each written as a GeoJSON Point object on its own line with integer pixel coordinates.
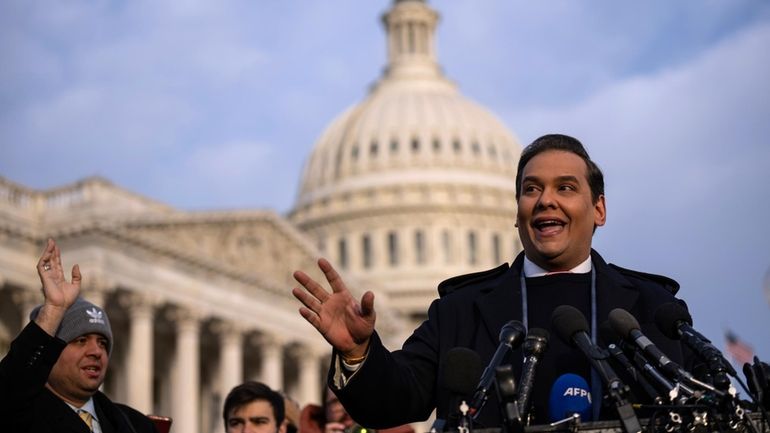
{"type": "Point", "coordinates": [87, 418]}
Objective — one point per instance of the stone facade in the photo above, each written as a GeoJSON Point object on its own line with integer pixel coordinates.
{"type": "Point", "coordinates": [198, 301]}
{"type": "Point", "coordinates": [411, 186]}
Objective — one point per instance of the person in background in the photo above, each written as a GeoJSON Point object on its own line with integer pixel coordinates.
{"type": "Point", "coordinates": [50, 378]}
{"type": "Point", "coordinates": [332, 417]}
{"type": "Point", "coordinates": [252, 407]}
{"type": "Point", "coordinates": [292, 411]}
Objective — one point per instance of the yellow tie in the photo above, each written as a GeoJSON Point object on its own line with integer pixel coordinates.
{"type": "Point", "coordinates": [87, 418]}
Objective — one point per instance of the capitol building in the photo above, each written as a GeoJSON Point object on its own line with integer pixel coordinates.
{"type": "Point", "coordinates": [412, 185]}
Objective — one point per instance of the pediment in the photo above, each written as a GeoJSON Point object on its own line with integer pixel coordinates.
{"type": "Point", "coordinates": [256, 243]}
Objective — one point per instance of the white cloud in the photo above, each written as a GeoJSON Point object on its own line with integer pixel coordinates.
{"type": "Point", "coordinates": [231, 174]}
{"type": "Point", "coordinates": [686, 155]}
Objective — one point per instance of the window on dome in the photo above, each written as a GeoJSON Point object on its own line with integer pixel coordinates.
{"type": "Point", "coordinates": [373, 148]}
{"type": "Point", "coordinates": [476, 148]}
{"type": "Point", "coordinates": [342, 251]}
{"type": "Point", "coordinates": [410, 35]}
{"type": "Point", "coordinates": [496, 253]}
{"type": "Point", "coordinates": [397, 35]}
{"type": "Point", "coordinates": [446, 246]}
{"type": "Point", "coordinates": [472, 257]}
{"type": "Point", "coordinates": [393, 146]}
{"type": "Point", "coordinates": [338, 162]}
{"type": "Point", "coordinates": [492, 151]}
{"type": "Point", "coordinates": [419, 247]}
{"type": "Point", "coordinates": [456, 145]}
{"type": "Point", "coordinates": [393, 248]}
{"type": "Point", "coordinates": [415, 145]}
{"type": "Point", "coordinates": [366, 246]}
{"type": "Point", "coordinates": [436, 145]}
{"type": "Point", "coordinates": [354, 152]}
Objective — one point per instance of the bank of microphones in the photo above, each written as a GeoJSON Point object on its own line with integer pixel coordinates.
{"type": "Point", "coordinates": [635, 384]}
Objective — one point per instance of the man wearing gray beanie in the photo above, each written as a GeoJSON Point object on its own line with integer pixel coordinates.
{"type": "Point", "coordinates": [50, 379]}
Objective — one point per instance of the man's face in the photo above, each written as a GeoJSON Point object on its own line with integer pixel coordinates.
{"type": "Point", "coordinates": [80, 369]}
{"type": "Point", "coordinates": [254, 417]}
{"type": "Point", "coordinates": [556, 215]}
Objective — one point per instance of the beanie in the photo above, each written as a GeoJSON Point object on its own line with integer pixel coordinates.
{"type": "Point", "coordinates": [82, 318]}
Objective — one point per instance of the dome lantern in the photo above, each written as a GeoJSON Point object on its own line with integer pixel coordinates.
{"type": "Point", "coordinates": [411, 27]}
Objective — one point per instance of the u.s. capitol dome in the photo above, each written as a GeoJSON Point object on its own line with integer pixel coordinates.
{"type": "Point", "coordinates": [415, 183]}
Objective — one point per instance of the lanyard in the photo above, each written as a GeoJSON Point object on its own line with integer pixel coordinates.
{"type": "Point", "coordinates": [596, 385]}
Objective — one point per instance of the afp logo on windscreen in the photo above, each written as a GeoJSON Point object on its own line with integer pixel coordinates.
{"type": "Point", "coordinates": [575, 391]}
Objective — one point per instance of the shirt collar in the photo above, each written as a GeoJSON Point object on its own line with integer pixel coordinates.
{"type": "Point", "coordinates": [87, 407]}
{"type": "Point", "coordinates": [531, 270]}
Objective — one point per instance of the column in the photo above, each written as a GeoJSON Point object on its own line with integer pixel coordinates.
{"type": "Point", "coordinates": [272, 361]}
{"type": "Point", "coordinates": [230, 356]}
{"type": "Point", "coordinates": [185, 383]}
{"type": "Point", "coordinates": [309, 373]}
{"type": "Point", "coordinates": [139, 357]}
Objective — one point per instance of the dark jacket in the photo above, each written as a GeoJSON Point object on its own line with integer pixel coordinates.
{"type": "Point", "coordinates": [392, 388]}
{"type": "Point", "coordinates": [26, 405]}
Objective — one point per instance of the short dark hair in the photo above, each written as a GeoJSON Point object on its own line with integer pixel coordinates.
{"type": "Point", "coordinates": [567, 144]}
{"type": "Point", "coordinates": [249, 391]}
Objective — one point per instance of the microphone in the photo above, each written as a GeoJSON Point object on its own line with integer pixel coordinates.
{"type": "Point", "coordinates": [569, 395]}
{"type": "Point", "coordinates": [627, 327]}
{"type": "Point", "coordinates": [534, 346]}
{"type": "Point", "coordinates": [675, 322]}
{"type": "Point", "coordinates": [570, 325]}
{"type": "Point", "coordinates": [676, 392]}
{"type": "Point", "coordinates": [615, 348]}
{"type": "Point", "coordinates": [506, 396]}
{"type": "Point", "coordinates": [461, 371]}
{"type": "Point", "coordinates": [758, 377]}
{"type": "Point", "coordinates": [511, 336]}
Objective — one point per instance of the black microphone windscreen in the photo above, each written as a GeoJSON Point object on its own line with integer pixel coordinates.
{"type": "Point", "coordinates": [462, 370]}
{"type": "Point", "coordinates": [566, 320]}
{"type": "Point", "coordinates": [668, 316]}
{"type": "Point", "coordinates": [623, 322]}
{"type": "Point", "coordinates": [512, 333]}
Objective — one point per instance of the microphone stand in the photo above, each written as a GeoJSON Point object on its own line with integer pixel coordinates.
{"type": "Point", "coordinates": [615, 388]}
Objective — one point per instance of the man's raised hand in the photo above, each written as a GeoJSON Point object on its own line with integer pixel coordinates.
{"type": "Point", "coordinates": [344, 322]}
{"type": "Point", "coordinates": [59, 293]}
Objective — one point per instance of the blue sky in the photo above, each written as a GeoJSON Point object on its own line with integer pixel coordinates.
{"type": "Point", "coordinates": [215, 105]}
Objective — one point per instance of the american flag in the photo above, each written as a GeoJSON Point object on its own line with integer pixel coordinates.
{"type": "Point", "coordinates": [739, 350]}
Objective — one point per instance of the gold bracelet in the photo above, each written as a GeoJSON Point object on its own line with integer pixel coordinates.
{"type": "Point", "coordinates": [357, 360]}
{"type": "Point", "coordinates": [353, 361]}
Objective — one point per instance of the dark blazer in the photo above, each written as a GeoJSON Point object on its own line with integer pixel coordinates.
{"type": "Point", "coordinates": [392, 388]}
{"type": "Point", "coordinates": [26, 405]}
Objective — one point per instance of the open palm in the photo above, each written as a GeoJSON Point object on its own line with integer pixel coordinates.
{"type": "Point", "coordinates": [344, 322]}
{"type": "Point", "coordinates": [58, 292]}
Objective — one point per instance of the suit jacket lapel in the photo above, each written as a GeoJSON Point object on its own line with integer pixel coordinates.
{"type": "Point", "coordinates": [613, 290]}
{"type": "Point", "coordinates": [61, 415]}
{"type": "Point", "coordinates": [106, 416]}
{"type": "Point", "coordinates": [503, 302]}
